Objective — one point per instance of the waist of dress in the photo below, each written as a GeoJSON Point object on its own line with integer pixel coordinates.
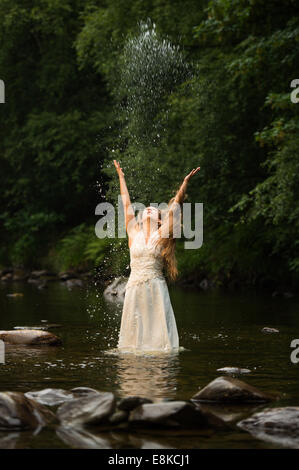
{"type": "Point", "coordinates": [144, 273]}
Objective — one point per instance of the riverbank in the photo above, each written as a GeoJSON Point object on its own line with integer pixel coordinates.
{"type": "Point", "coordinates": [80, 278]}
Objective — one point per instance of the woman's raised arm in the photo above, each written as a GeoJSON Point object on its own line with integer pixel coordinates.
{"type": "Point", "coordinates": [172, 218]}
{"type": "Point", "coordinates": [180, 195]}
{"type": "Point", "coordinates": [130, 219]}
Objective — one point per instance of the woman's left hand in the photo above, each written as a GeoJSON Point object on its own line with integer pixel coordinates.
{"type": "Point", "coordinates": [192, 173]}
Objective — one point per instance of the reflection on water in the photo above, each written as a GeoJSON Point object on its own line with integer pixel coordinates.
{"type": "Point", "coordinates": [141, 374]}
{"type": "Point", "coordinates": [9, 440]}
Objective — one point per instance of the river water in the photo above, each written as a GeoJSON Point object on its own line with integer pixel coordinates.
{"type": "Point", "coordinates": [216, 330]}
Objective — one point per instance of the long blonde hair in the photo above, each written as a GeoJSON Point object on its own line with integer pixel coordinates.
{"type": "Point", "coordinates": [168, 245]}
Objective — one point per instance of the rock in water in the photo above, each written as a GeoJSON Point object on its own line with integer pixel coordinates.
{"type": "Point", "coordinates": [50, 396]}
{"type": "Point", "coordinates": [70, 283]}
{"type": "Point", "coordinates": [129, 403]}
{"type": "Point", "coordinates": [116, 290]}
{"type": "Point", "coordinates": [80, 392]}
{"type": "Point", "coordinates": [230, 390]}
{"type": "Point", "coordinates": [234, 370]}
{"type": "Point", "coordinates": [266, 329]}
{"type": "Point", "coordinates": [177, 414]}
{"type": "Point", "coordinates": [277, 425]}
{"type": "Point", "coordinates": [19, 412]}
{"type": "Point", "coordinates": [30, 337]}
{"type": "Point", "coordinates": [90, 410]}
{"type": "Point", "coordinates": [48, 326]}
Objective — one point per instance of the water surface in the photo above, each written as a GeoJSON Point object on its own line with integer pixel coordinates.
{"type": "Point", "coordinates": [216, 329]}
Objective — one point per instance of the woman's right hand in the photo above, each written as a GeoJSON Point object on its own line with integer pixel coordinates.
{"type": "Point", "coordinates": [118, 168]}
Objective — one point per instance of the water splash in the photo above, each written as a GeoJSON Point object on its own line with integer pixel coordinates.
{"type": "Point", "coordinates": [151, 69]}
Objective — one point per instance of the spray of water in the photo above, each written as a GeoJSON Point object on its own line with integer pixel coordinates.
{"type": "Point", "coordinates": [151, 68]}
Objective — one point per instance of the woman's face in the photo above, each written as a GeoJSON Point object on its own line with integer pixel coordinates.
{"type": "Point", "coordinates": [150, 213]}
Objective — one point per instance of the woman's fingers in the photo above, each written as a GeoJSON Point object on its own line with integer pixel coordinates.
{"type": "Point", "coordinates": [192, 173]}
{"type": "Point", "coordinates": [117, 166]}
{"type": "Point", "coordinates": [195, 170]}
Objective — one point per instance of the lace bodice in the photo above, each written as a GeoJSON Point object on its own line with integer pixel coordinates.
{"type": "Point", "coordinates": [146, 261]}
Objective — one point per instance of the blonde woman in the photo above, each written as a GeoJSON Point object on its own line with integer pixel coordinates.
{"type": "Point", "coordinates": [148, 321]}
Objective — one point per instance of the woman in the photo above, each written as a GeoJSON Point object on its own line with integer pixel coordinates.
{"type": "Point", "coordinates": [148, 322]}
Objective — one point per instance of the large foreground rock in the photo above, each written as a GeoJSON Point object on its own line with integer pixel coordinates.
{"type": "Point", "coordinates": [19, 412]}
{"type": "Point", "coordinates": [57, 396]}
{"type": "Point", "coordinates": [231, 390]}
{"type": "Point", "coordinates": [50, 396]}
{"type": "Point", "coordinates": [30, 337]}
{"type": "Point", "coordinates": [277, 425]}
{"type": "Point", "coordinates": [176, 414]}
{"type": "Point", "coordinates": [89, 410]}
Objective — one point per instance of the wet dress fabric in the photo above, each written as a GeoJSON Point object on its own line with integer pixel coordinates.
{"type": "Point", "coordinates": [148, 321]}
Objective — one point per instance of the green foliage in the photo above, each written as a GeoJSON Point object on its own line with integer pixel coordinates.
{"type": "Point", "coordinates": [79, 249]}
{"type": "Point", "coordinates": [50, 151]}
{"type": "Point", "coordinates": [81, 92]}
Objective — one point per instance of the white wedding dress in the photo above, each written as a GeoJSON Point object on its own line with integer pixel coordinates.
{"type": "Point", "coordinates": [148, 322]}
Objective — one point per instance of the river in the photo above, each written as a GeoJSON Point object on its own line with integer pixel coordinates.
{"type": "Point", "coordinates": [216, 329]}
